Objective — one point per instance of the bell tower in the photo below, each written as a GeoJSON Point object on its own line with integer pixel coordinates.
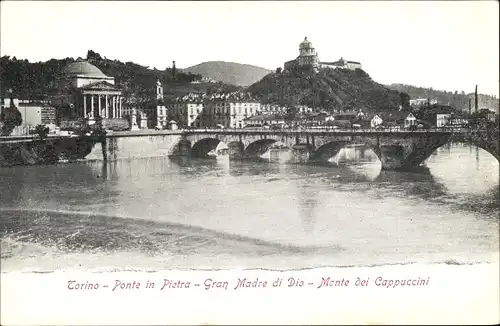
{"type": "Point", "coordinates": [161, 110]}
{"type": "Point", "coordinates": [159, 91]}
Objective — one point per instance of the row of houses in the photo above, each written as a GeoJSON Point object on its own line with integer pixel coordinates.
{"type": "Point", "coordinates": [435, 116]}
{"type": "Point", "coordinates": [272, 109]}
{"type": "Point", "coordinates": [202, 97]}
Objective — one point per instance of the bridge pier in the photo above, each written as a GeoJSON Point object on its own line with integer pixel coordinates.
{"type": "Point", "coordinates": [392, 157]}
{"type": "Point", "coordinates": [301, 153]}
{"type": "Point", "coordinates": [182, 149]}
{"type": "Point", "coordinates": [236, 150]}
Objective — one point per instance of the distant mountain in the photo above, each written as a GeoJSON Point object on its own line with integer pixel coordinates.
{"type": "Point", "coordinates": [229, 72]}
{"type": "Point", "coordinates": [455, 99]}
{"type": "Point", "coordinates": [332, 90]}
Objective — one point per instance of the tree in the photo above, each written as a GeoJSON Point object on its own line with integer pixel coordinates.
{"type": "Point", "coordinates": [291, 113]}
{"type": "Point", "coordinates": [93, 56]}
{"type": "Point", "coordinates": [405, 99]}
{"type": "Point", "coordinates": [278, 70]}
{"type": "Point", "coordinates": [10, 118]}
{"type": "Point", "coordinates": [42, 131]}
{"type": "Point", "coordinates": [98, 129]}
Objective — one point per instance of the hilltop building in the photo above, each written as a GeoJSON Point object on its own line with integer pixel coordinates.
{"type": "Point", "coordinates": [422, 101]}
{"type": "Point", "coordinates": [309, 57]}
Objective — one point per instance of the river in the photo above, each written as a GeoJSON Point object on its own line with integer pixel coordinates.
{"type": "Point", "coordinates": [159, 213]}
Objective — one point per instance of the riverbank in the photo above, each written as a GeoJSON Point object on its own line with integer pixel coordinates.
{"type": "Point", "coordinates": [47, 151]}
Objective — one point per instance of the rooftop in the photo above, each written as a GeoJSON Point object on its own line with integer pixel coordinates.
{"type": "Point", "coordinates": [305, 44]}
{"type": "Point", "coordinates": [83, 68]}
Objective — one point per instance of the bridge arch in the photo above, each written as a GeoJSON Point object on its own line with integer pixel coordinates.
{"type": "Point", "coordinates": [203, 146]}
{"type": "Point", "coordinates": [259, 147]}
{"type": "Point", "coordinates": [417, 157]}
{"type": "Point", "coordinates": [236, 149]}
{"type": "Point", "coordinates": [330, 149]}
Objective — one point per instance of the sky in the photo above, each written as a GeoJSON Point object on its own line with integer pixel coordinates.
{"type": "Point", "coordinates": [449, 45]}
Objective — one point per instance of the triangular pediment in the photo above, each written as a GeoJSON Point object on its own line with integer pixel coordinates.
{"type": "Point", "coordinates": [101, 85]}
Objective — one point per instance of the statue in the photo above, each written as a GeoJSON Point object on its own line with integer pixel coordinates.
{"type": "Point", "coordinates": [144, 120]}
{"type": "Point", "coordinates": [133, 118]}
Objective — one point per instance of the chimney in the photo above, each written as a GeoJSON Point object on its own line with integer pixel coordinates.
{"type": "Point", "coordinates": [475, 99]}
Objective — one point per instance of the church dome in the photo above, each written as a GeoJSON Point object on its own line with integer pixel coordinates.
{"type": "Point", "coordinates": [82, 67]}
{"type": "Point", "coordinates": [305, 44]}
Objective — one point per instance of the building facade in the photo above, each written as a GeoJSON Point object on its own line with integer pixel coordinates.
{"type": "Point", "coordinates": [228, 114]}
{"type": "Point", "coordinates": [410, 120]}
{"type": "Point", "coordinates": [375, 121]}
{"type": "Point", "coordinates": [264, 119]}
{"type": "Point", "coordinates": [422, 101]}
{"type": "Point", "coordinates": [341, 64]}
{"type": "Point", "coordinates": [185, 114]}
{"type": "Point", "coordinates": [33, 113]}
{"type": "Point", "coordinates": [161, 109]}
{"type": "Point", "coordinates": [442, 119]}
{"type": "Point", "coordinates": [211, 113]}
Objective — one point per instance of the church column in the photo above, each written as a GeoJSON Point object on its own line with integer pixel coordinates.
{"type": "Point", "coordinates": [120, 107]}
{"type": "Point", "coordinates": [115, 108]}
{"type": "Point", "coordinates": [84, 106]}
{"type": "Point", "coordinates": [100, 105]}
{"type": "Point", "coordinates": [92, 105]}
{"type": "Point", "coordinates": [106, 113]}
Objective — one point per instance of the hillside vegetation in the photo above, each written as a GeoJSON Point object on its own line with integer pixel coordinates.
{"type": "Point", "coordinates": [332, 90]}
{"type": "Point", "coordinates": [229, 72]}
{"type": "Point", "coordinates": [455, 99]}
{"type": "Point", "coordinates": [37, 80]}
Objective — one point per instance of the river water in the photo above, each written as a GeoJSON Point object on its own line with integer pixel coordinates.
{"type": "Point", "coordinates": [157, 213]}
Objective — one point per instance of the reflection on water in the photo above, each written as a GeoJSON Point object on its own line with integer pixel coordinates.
{"type": "Point", "coordinates": [217, 212]}
{"type": "Point", "coordinates": [456, 162]}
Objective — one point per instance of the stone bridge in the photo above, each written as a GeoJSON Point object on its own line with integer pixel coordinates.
{"type": "Point", "coordinates": [396, 149]}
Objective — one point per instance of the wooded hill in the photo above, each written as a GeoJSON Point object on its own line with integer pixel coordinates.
{"type": "Point", "coordinates": [460, 101]}
{"type": "Point", "coordinates": [37, 80]}
{"type": "Point", "coordinates": [329, 89]}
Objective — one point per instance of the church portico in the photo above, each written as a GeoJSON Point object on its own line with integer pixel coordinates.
{"type": "Point", "coordinates": [102, 103]}
{"type": "Point", "coordinates": [93, 95]}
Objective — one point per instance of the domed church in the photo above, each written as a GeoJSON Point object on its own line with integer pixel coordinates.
{"type": "Point", "coordinates": [91, 93]}
{"type": "Point", "coordinates": [309, 57]}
